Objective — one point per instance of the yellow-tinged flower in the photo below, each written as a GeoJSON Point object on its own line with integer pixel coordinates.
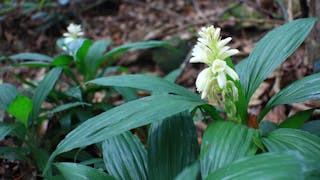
{"type": "Point", "coordinates": [220, 69]}
{"type": "Point", "coordinates": [74, 31]}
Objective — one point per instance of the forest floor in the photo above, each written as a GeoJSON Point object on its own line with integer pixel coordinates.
{"type": "Point", "coordinates": [137, 20]}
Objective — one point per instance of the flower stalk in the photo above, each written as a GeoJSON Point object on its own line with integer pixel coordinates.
{"type": "Point", "coordinates": [216, 82]}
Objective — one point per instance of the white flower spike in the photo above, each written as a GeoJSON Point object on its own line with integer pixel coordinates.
{"type": "Point", "coordinates": [210, 46]}
{"type": "Point", "coordinates": [74, 31]}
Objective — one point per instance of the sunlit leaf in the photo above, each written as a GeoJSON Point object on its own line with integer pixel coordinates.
{"type": "Point", "coordinates": [20, 108]}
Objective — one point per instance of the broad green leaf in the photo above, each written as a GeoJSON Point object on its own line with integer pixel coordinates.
{"type": "Point", "coordinates": [307, 88]}
{"type": "Point", "coordinates": [297, 120]}
{"type": "Point", "coordinates": [190, 173]}
{"type": "Point", "coordinates": [293, 139]}
{"type": "Point", "coordinates": [145, 82]}
{"type": "Point", "coordinates": [273, 49]}
{"type": "Point", "coordinates": [225, 142]}
{"type": "Point", "coordinates": [125, 157]}
{"type": "Point", "coordinates": [7, 94]}
{"type": "Point", "coordinates": [42, 91]}
{"type": "Point", "coordinates": [80, 48]}
{"type": "Point", "coordinates": [32, 56]}
{"type": "Point", "coordinates": [278, 165]}
{"type": "Point", "coordinates": [172, 146]}
{"type": "Point", "coordinates": [312, 127]}
{"type": "Point", "coordinates": [72, 171]}
{"type": "Point", "coordinates": [62, 60]}
{"type": "Point", "coordinates": [5, 129]}
{"type": "Point", "coordinates": [67, 106]}
{"type": "Point", "coordinates": [95, 52]}
{"type": "Point", "coordinates": [20, 108]}
{"type": "Point", "coordinates": [133, 46]}
{"type": "Point", "coordinates": [123, 118]}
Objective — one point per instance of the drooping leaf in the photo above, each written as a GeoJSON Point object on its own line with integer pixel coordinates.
{"type": "Point", "coordinates": [32, 56]}
{"type": "Point", "coordinates": [273, 49]}
{"type": "Point", "coordinates": [72, 171]}
{"type": "Point", "coordinates": [307, 88]}
{"type": "Point", "coordinates": [225, 142]}
{"type": "Point", "coordinates": [172, 146]}
{"type": "Point", "coordinates": [7, 94]}
{"type": "Point", "coordinates": [189, 173]}
{"type": "Point", "coordinates": [42, 91]}
{"type": "Point", "coordinates": [125, 157]}
{"type": "Point", "coordinates": [20, 108]}
{"type": "Point", "coordinates": [312, 127]}
{"type": "Point", "coordinates": [293, 139]}
{"type": "Point", "coordinates": [145, 82]}
{"type": "Point", "coordinates": [133, 46]}
{"type": "Point", "coordinates": [277, 165]}
{"type": "Point", "coordinates": [114, 122]}
{"type": "Point", "coordinates": [297, 120]}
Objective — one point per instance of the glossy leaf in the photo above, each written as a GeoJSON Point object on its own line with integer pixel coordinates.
{"type": "Point", "coordinates": [278, 165]}
{"type": "Point", "coordinates": [172, 146]}
{"type": "Point", "coordinates": [20, 108]}
{"type": "Point", "coordinates": [42, 91]}
{"type": "Point", "coordinates": [273, 49]}
{"type": "Point", "coordinates": [72, 171]}
{"type": "Point", "coordinates": [225, 142]}
{"type": "Point", "coordinates": [144, 82]}
{"type": "Point", "coordinates": [307, 88]}
{"type": "Point", "coordinates": [293, 139]}
{"type": "Point", "coordinates": [297, 120]}
{"type": "Point", "coordinates": [133, 46]}
{"type": "Point", "coordinates": [7, 94]}
{"type": "Point", "coordinates": [115, 121]}
{"type": "Point", "coordinates": [31, 56]}
{"type": "Point", "coordinates": [125, 157]}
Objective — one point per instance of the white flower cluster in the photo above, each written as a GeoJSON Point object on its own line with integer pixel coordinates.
{"type": "Point", "coordinates": [212, 82]}
{"type": "Point", "coordinates": [74, 32]}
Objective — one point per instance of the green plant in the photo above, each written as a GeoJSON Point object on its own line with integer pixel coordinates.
{"type": "Point", "coordinates": [229, 149]}
{"type": "Point", "coordinates": [71, 104]}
